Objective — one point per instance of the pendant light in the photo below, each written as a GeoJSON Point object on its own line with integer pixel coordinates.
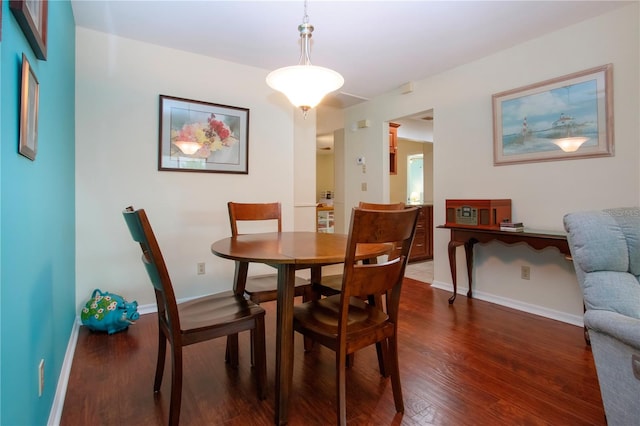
{"type": "Point", "coordinates": [304, 84]}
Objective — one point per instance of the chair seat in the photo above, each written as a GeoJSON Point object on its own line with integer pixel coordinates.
{"type": "Point", "coordinates": [215, 312]}
{"type": "Point", "coordinates": [264, 288]}
{"type": "Point", "coordinates": [319, 320]}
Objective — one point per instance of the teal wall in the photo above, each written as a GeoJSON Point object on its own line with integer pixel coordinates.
{"type": "Point", "coordinates": [37, 220]}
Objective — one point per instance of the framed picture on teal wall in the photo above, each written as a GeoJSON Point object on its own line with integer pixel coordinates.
{"type": "Point", "coordinates": [32, 16]}
{"type": "Point", "coordinates": [563, 118]}
{"type": "Point", "coordinates": [197, 136]}
{"type": "Point", "coordinates": [29, 96]}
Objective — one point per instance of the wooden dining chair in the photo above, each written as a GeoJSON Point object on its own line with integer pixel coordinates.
{"type": "Point", "coordinates": [344, 322]}
{"type": "Point", "coordinates": [196, 320]}
{"type": "Point", "coordinates": [262, 288]}
{"type": "Point", "coordinates": [331, 284]}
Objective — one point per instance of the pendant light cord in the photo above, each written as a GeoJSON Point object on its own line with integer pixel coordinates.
{"type": "Point", "coordinates": [305, 34]}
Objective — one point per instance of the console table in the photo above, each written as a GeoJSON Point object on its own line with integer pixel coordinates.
{"type": "Point", "coordinates": [470, 236]}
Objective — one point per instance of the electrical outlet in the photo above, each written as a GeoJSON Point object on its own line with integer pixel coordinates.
{"type": "Point", "coordinates": [525, 272]}
{"type": "Point", "coordinates": [201, 270]}
{"type": "Point", "coordinates": [364, 186]}
{"type": "Point", "coordinates": [40, 377]}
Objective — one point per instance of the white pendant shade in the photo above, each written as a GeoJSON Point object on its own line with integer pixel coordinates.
{"type": "Point", "coordinates": [305, 85]}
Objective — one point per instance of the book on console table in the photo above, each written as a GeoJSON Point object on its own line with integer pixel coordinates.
{"type": "Point", "coordinates": [512, 228]}
{"type": "Point", "coordinates": [507, 224]}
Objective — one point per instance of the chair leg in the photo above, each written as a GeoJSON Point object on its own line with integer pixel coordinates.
{"type": "Point", "coordinates": [252, 346]}
{"type": "Point", "coordinates": [176, 385]}
{"type": "Point", "coordinates": [341, 387]}
{"type": "Point", "coordinates": [251, 340]}
{"type": "Point", "coordinates": [231, 354]}
{"type": "Point", "coordinates": [260, 352]}
{"type": "Point", "coordinates": [394, 368]}
{"type": "Point", "coordinates": [381, 349]}
{"type": "Point", "coordinates": [309, 295]}
{"type": "Point", "coordinates": [351, 359]}
{"type": "Point", "coordinates": [308, 344]}
{"type": "Point", "coordinates": [162, 350]}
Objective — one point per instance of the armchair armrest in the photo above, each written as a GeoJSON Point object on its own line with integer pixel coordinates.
{"type": "Point", "coordinates": [621, 327]}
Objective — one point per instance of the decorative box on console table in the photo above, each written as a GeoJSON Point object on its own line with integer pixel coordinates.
{"type": "Point", "coordinates": [485, 214]}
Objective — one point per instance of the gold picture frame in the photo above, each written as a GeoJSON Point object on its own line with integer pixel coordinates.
{"type": "Point", "coordinates": [29, 100]}
{"type": "Point", "coordinates": [564, 118]}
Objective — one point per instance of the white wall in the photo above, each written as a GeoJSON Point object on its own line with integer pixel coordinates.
{"type": "Point", "coordinates": [541, 192]}
{"type": "Point", "coordinates": [117, 100]}
{"type": "Point", "coordinates": [304, 171]}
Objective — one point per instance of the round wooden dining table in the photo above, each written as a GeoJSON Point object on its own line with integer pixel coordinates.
{"type": "Point", "coordinates": [287, 252]}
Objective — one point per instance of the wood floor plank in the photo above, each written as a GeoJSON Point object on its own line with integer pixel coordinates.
{"type": "Point", "coordinates": [470, 363]}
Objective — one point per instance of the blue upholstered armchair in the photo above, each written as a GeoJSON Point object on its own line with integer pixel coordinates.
{"type": "Point", "coordinates": [605, 246]}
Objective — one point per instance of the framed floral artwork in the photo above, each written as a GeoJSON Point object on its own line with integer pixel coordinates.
{"type": "Point", "coordinates": [29, 98]}
{"type": "Point", "coordinates": [564, 118]}
{"type": "Point", "coordinates": [32, 16]}
{"type": "Point", "coordinates": [197, 136]}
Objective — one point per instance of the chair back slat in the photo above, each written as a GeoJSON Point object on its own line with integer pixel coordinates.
{"type": "Point", "coordinates": [376, 278]}
{"type": "Point", "coordinates": [378, 206]}
{"type": "Point", "coordinates": [250, 212]}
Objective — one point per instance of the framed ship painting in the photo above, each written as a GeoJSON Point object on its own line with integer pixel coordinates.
{"type": "Point", "coordinates": [563, 118]}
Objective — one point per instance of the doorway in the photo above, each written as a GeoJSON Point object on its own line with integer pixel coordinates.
{"type": "Point", "coordinates": [415, 185]}
{"type": "Point", "coordinates": [414, 182]}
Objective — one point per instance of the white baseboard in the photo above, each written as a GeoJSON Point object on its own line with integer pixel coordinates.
{"type": "Point", "coordinates": [516, 304]}
{"type": "Point", "coordinates": [63, 380]}
{"type": "Point", "coordinates": [147, 309]}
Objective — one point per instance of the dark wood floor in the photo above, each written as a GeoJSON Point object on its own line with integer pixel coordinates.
{"type": "Point", "coordinates": [473, 363]}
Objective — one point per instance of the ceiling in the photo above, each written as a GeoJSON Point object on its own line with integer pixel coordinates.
{"type": "Point", "coordinates": [376, 45]}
